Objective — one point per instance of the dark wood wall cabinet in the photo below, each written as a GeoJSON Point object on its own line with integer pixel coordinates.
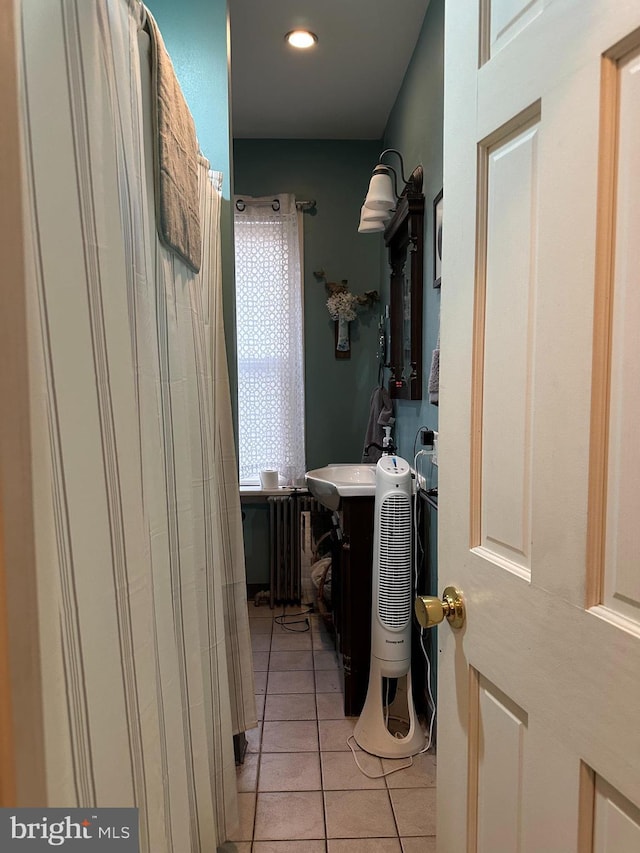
{"type": "Point", "coordinates": [404, 238]}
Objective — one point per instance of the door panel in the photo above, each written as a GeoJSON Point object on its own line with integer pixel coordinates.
{"type": "Point", "coordinates": [503, 20]}
{"type": "Point", "coordinates": [501, 742]}
{"type": "Point", "coordinates": [621, 575]}
{"type": "Point", "coordinates": [616, 821]}
{"type": "Point", "coordinates": [539, 694]}
{"type": "Point", "coordinates": [508, 242]}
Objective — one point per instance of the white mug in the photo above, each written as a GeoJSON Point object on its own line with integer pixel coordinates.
{"type": "Point", "coordinates": [269, 479]}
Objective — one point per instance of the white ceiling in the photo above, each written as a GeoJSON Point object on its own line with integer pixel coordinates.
{"type": "Point", "coordinates": [344, 88]}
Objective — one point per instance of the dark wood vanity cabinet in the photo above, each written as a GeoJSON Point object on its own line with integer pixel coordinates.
{"type": "Point", "coordinates": [352, 601]}
{"type": "Point", "coordinates": [353, 562]}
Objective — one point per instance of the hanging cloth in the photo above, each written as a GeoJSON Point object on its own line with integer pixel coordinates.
{"type": "Point", "coordinates": [380, 415]}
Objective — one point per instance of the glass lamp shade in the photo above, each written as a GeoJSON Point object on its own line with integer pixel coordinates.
{"type": "Point", "coordinates": [369, 226]}
{"type": "Point", "coordinates": [380, 195]}
{"type": "Point", "coordinates": [369, 215]}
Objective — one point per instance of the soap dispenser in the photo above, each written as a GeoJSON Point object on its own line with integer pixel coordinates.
{"type": "Point", "coordinates": [387, 441]}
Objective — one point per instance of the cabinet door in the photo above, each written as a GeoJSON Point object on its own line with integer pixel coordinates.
{"type": "Point", "coordinates": [355, 600]}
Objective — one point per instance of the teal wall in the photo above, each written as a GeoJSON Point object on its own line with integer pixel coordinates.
{"type": "Point", "coordinates": [336, 175]}
{"type": "Point", "coordinates": [196, 35]}
{"type": "Point", "coordinates": [415, 129]}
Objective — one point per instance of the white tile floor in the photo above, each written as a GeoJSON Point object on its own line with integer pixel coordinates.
{"type": "Point", "coordinates": [299, 788]}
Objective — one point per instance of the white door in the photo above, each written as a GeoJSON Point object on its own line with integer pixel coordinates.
{"type": "Point", "coordinates": [539, 693]}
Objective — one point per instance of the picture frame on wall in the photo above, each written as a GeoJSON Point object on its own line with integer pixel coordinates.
{"type": "Point", "coordinates": [437, 240]}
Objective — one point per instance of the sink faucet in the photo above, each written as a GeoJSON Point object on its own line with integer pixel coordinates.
{"type": "Point", "coordinates": [388, 449]}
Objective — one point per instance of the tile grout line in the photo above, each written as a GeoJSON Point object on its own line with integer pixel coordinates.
{"type": "Point", "coordinates": [264, 709]}
{"type": "Point", "coordinates": [273, 624]}
{"type": "Point", "coordinates": [260, 741]}
{"type": "Point", "coordinates": [320, 766]}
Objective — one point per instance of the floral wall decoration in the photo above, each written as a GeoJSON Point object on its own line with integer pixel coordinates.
{"type": "Point", "coordinates": [343, 306]}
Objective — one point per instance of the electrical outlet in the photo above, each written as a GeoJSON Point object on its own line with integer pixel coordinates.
{"type": "Point", "coordinates": [426, 437]}
{"type": "Point", "coordinates": [434, 457]}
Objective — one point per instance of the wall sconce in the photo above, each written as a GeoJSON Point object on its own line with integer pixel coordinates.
{"type": "Point", "coordinates": [382, 197]}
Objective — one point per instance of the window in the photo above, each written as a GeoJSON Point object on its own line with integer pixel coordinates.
{"type": "Point", "coordinates": [269, 323]}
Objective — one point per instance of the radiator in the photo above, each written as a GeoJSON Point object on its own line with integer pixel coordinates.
{"type": "Point", "coordinates": [286, 544]}
{"type": "Point", "coordinates": [285, 547]}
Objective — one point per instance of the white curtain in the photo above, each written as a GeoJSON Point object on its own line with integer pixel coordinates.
{"type": "Point", "coordinates": [144, 630]}
{"type": "Point", "coordinates": [269, 319]}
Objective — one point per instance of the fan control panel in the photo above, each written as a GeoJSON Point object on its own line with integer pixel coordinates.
{"type": "Point", "coordinates": [394, 465]}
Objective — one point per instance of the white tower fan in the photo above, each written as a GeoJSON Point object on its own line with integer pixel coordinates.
{"type": "Point", "coordinates": [391, 613]}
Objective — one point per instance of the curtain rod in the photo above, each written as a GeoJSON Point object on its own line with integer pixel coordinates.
{"type": "Point", "coordinates": [275, 204]}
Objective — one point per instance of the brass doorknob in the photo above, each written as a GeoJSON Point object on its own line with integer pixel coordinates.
{"type": "Point", "coordinates": [431, 611]}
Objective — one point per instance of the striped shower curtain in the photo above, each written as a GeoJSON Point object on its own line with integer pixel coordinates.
{"type": "Point", "coordinates": [145, 649]}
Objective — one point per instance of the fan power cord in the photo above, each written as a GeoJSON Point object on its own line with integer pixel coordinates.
{"type": "Point", "coordinates": [295, 620]}
{"type": "Point", "coordinates": [375, 775]}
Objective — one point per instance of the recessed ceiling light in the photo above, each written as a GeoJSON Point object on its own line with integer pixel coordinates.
{"type": "Point", "coordinates": [301, 38]}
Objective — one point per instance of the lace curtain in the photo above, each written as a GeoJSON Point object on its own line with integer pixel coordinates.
{"type": "Point", "coordinates": [269, 337]}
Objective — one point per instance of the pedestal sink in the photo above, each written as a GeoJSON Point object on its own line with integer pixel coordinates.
{"type": "Point", "coordinates": [333, 482]}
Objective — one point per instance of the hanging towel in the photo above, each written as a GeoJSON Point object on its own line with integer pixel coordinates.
{"type": "Point", "coordinates": [380, 415]}
{"type": "Point", "coordinates": [175, 158]}
{"type": "Point", "coordinates": [434, 375]}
